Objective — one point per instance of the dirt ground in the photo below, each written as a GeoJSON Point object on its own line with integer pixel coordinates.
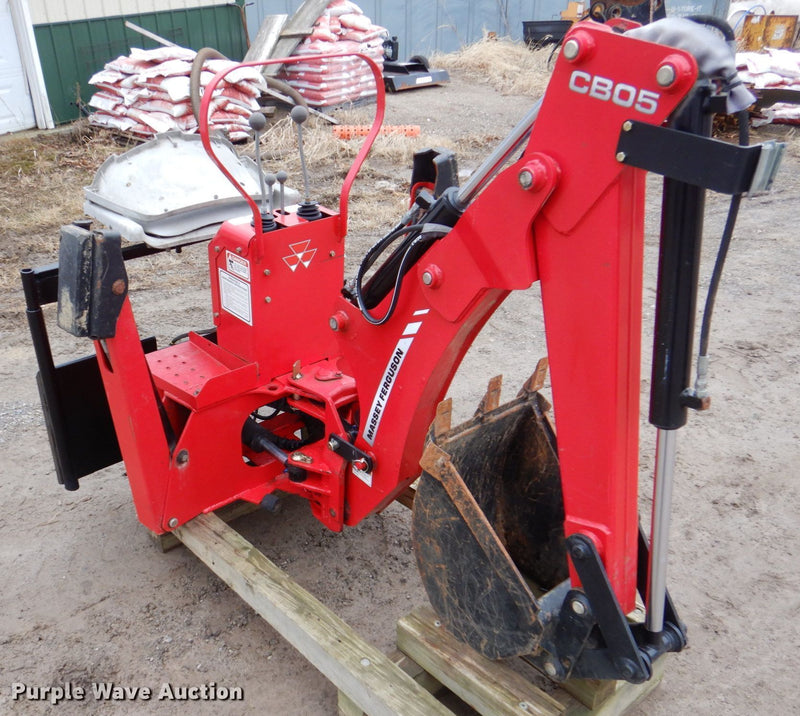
{"type": "Point", "coordinates": [87, 598]}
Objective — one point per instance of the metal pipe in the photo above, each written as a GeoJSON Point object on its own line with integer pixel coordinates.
{"type": "Point", "coordinates": [659, 530]}
{"type": "Point", "coordinates": [492, 164]}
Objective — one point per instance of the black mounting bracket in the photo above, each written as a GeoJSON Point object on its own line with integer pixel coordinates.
{"type": "Point", "coordinates": [75, 407]}
{"type": "Point", "coordinates": [690, 158]}
{"type": "Point", "coordinates": [586, 634]}
{"type": "Point", "coordinates": [342, 447]}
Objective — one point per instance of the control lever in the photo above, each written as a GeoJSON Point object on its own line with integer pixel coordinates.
{"type": "Point", "coordinates": [258, 123]}
{"type": "Point", "coordinates": [282, 176]}
{"type": "Point", "coordinates": [307, 209]}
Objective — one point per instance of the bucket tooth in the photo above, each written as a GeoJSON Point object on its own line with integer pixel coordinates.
{"type": "Point", "coordinates": [443, 418]}
{"type": "Point", "coordinates": [491, 399]}
{"type": "Point", "coordinates": [537, 379]}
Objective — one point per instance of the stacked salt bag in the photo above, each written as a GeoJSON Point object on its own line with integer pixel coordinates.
{"type": "Point", "coordinates": [148, 92]}
{"type": "Point", "coordinates": [342, 28]}
{"type": "Point", "coordinates": [772, 69]}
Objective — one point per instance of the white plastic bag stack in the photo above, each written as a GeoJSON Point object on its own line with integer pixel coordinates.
{"type": "Point", "coordinates": [148, 92]}
{"type": "Point", "coordinates": [342, 28]}
{"type": "Point", "coordinates": [772, 69]}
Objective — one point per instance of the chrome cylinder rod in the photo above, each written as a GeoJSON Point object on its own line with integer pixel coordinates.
{"type": "Point", "coordinates": [492, 164]}
{"type": "Point", "coordinates": [659, 530]}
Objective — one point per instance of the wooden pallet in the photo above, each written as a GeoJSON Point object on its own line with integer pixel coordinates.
{"type": "Point", "coordinates": [369, 678]}
{"type": "Point", "coordinates": [429, 661]}
{"type": "Point", "coordinates": [498, 688]}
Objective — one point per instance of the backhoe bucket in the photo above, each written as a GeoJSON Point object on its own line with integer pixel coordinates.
{"type": "Point", "coordinates": [488, 521]}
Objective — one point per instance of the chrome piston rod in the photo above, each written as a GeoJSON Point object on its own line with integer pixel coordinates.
{"type": "Point", "coordinates": [659, 530]}
{"type": "Point", "coordinates": [492, 164]}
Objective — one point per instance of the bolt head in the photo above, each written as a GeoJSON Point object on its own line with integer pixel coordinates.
{"type": "Point", "coordinates": [173, 523]}
{"type": "Point", "coordinates": [118, 287]}
{"type": "Point", "coordinates": [333, 443]}
{"type": "Point", "coordinates": [578, 607]}
{"type": "Point", "coordinates": [620, 157]}
{"type": "Point", "coordinates": [550, 668]}
{"type": "Point", "coordinates": [665, 75]}
{"type": "Point", "coordinates": [338, 321]}
{"type": "Point", "coordinates": [534, 175]}
{"type": "Point", "coordinates": [431, 276]}
{"type": "Point", "coordinates": [267, 299]}
{"type": "Point", "coordinates": [571, 49]}
{"type": "Point", "coordinates": [627, 125]}
{"type": "Point", "coordinates": [182, 458]}
{"type": "Point", "coordinates": [579, 551]}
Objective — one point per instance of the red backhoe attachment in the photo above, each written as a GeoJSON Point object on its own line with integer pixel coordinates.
{"type": "Point", "coordinates": [327, 389]}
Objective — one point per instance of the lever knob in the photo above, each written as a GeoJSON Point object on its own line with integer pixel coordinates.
{"type": "Point", "coordinates": [299, 114]}
{"type": "Point", "coordinates": [257, 121]}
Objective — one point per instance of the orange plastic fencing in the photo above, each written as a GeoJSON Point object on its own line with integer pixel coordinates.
{"type": "Point", "coordinates": [351, 131]}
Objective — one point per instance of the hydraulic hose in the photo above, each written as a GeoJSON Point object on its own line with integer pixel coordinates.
{"type": "Point", "coordinates": [209, 53]}
{"type": "Point", "coordinates": [701, 380]}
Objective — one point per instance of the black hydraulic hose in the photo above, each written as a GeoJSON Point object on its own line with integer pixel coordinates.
{"type": "Point", "coordinates": [370, 258]}
{"type": "Point", "coordinates": [209, 53]}
{"type": "Point", "coordinates": [724, 245]}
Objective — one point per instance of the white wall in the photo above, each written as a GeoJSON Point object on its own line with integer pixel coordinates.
{"type": "Point", "coordinates": [48, 11]}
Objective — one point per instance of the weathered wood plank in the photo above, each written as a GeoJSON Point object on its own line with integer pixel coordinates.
{"type": "Point", "coordinates": [414, 670]}
{"type": "Point", "coordinates": [490, 687]}
{"type": "Point", "coordinates": [299, 26]}
{"type": "Point", "coordinates": [364, 674]}
{"type": "Point", "coordinates": [406, 497]}
{"type": "Point", "coordinates": [167, 541]}
{"type": "Point", "coordinates": [590, 692]}
{"type": "Point", "coordinates": [623, 697]}
{"type": "Point", "coordinates": [261, 48]}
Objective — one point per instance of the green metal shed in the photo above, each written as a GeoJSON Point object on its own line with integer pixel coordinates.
{"type": "Point", "coordinates": [72, 50]}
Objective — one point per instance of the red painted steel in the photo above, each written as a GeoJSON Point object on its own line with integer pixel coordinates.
{"type": "Point", "coordinates": [276, 302]}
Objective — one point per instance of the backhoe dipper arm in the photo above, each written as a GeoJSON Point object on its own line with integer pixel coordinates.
{"type": "Point", "coordinates": [569, 213]}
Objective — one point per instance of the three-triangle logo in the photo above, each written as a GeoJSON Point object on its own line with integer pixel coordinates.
{"type": "Point", "coordinates": [301, 254]}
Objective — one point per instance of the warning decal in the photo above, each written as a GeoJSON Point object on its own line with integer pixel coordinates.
{"type": "Point", "coordinates": [237, 265]}
{"type": "Point", "coordinates": [234, 296]}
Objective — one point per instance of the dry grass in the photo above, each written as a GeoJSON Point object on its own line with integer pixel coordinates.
{"type": "Point", "coordinates": [42, 176]}
{"type": "Point", "coordinates": [509, 66]}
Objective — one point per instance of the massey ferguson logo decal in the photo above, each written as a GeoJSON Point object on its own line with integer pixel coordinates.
{"type": "Point", "coordinates": [389, 379]}
{"type": "Point", "coordinates": [301, 254]}
{"type": "Point", "coordinates": [605, 89]}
